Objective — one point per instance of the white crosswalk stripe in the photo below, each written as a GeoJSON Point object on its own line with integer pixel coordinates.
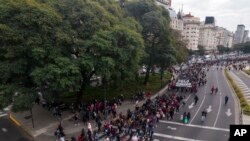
{"type": "Point", "coordinates": [3, 115]}
{"type": "Point", "coordinates": [247, 95]}
{"type": "Point", "coordinates": [244, 88]}
{"type": "Point", "coordinates": [241, 83]}
{"type": "Point", "coordinates": [246, 91]}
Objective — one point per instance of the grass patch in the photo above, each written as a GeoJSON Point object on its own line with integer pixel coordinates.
{"type": "Point", "coordinates": [247, 72]}
{"type": "Point", "coordinates": [128, 89]}
{"type": "Point", "coordinates": [243, 102]}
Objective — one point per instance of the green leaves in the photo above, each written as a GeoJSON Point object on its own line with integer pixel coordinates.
{"type": "Point", "coordinates": [117, 50]}
{"type": "Point", "coordinates": [55, 46]}
{"type": "Point", "coordinates": [161, 44]}
{"type": "Point", "coordinates": [60, 76]}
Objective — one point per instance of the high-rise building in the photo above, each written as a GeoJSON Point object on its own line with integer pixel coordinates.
{"type": "Point", "coordinates": [207, 36]}
{"type": "Point", "coordinates": [190, 31]}
{"type": "Point", "coordinates": [210, 20]}
{"type": "Point", "coordinates": [239, 34]}
{"type": "Point", "coordinates": [246, 32]}
{"type": "Point", "coordinates": [230, 40]}
{"type": "Point", "coordinates": [223, 37]}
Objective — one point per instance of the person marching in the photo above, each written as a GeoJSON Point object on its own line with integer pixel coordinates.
{"type": "Point", "coordinates": [226, 99]}
{"type": "Point", "coordinates": [196, 99]}
{"type": "Point", "coordinates": [212, 90]}
{"type": "Point", "coordinates": [216, 90]}
{"type": "Point", "coordinates": [203, 115]}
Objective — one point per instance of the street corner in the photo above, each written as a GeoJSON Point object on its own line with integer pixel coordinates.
{"type": "Point", "coordinates": [16, 122]}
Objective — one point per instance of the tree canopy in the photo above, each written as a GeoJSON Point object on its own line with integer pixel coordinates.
{"type": "Point", "coordinates": [245, 47]}
{"type": "Point", "coordinates": [156, 34]}
{"type": "Point", "coordinates": [57, 46]}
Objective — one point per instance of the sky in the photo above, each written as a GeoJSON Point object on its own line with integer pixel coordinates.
{"type": "Point", "coordinates": [227, 13]}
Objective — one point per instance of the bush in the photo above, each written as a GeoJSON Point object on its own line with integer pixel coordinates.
{"type": "Point", "coordinates": [243, 102]}
{"type": "Point", "coordinates": [246, 110]}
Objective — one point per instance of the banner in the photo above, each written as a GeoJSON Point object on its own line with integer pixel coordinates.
{"type": "Point", "coordinates": [183, 83]}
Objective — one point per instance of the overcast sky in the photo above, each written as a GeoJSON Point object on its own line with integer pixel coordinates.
{"type": "Point", "coordinates": [227, 13]}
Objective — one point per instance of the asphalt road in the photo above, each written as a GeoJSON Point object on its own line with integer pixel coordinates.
{"type": "Point", "coordinates": [9, 132]}
{"type": "Point", "coordinates": [220, 116]}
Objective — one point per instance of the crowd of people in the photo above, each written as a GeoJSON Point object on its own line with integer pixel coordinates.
{"type": "Point", "coordinates": [140, 123]}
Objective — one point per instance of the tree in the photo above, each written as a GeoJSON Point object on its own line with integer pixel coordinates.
{"type": "Point", "coordinates": [201, 49]}
{"type": "Point", "coordinates": [101, 41]}
{"type": "Point", "coordinates": [24, 46]}
{"type": "Point", "coordinates": [58, 77]}
{"type": "Point", "coordinates": [122, 47]}
{"type": "Point", "coordinates": [182, 53]}
{"type": "Point", "coordinates": [222, 49]}
{"type": "Point", "coordinates": [156, 33]}
{"type": "Point", "coordinates": [244, 47]}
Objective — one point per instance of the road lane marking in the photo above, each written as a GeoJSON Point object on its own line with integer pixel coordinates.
{"type": "Point", "coordinates": [244, 89]}
{"type": "Point", "coordinates": [197, 126]}
{"type": "Point", "coordinates": [217, 117]}
{"type": "Point", "coordinates": [4, 130]}
{"type": "Point", "coordinates": [209, 109]}
{"type": "Point", "coordinates": [247, 95]}
{"type": "Point", "coordinates": [247, 92]}
{"type": "Point", "coordinates": [185, 100]}
{"type": "Point", "coordinates": [3, 115]}
{"type": "Point", "coordinates": [228, 113]}
{"type": "Point", "coordinates": [172, 128]}
{"type": "Point", "coordinates": [188, 98]}
{"type": "Point", "coordinates": [191, 105]}
{"type": "Point", "coordinates": [241, 84]}
{"type": "Point", "coordinates": [174, 137]}
{"type": "Point", "coordinates": [200, 105]}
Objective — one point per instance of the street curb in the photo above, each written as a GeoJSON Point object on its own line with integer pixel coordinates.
{"type": "Point", "coordinates": [18, 123]}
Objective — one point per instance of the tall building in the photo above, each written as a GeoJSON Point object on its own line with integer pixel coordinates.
{"type": "Point", "coordinates": [239, 34]}
{"type": "Point", "coordinates": [223, 37]}
{"type": "Point", "coordinates": [230, 39]}
{"type": "Point", "coordinates": [176, 21]}
{"type": "Point", "coordinates": [190, 31]}
{"type": "Point", "coordinates": [210, 20]}
{"type": "Point", "coordinates": [246, 32]}
{"type": "Point", "coordinates": [207, 34]}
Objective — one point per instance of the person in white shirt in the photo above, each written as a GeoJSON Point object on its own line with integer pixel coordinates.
{"type": "Point", "coordinates": [134, 138]}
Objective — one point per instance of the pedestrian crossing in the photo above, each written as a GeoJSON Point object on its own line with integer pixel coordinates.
{"type": "Point", "coordinates": [3, 114]}
{"type": "Point", "coordinates": [244, 88]}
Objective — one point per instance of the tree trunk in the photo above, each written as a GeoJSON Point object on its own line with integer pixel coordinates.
{"type": "Point", "coordinates": [80, 93]}
{"type": "Point", "coordinates": [147, 76]}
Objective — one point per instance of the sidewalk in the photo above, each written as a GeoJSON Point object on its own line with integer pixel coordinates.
{"type": "Point", "coordinates": [46, 124]}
